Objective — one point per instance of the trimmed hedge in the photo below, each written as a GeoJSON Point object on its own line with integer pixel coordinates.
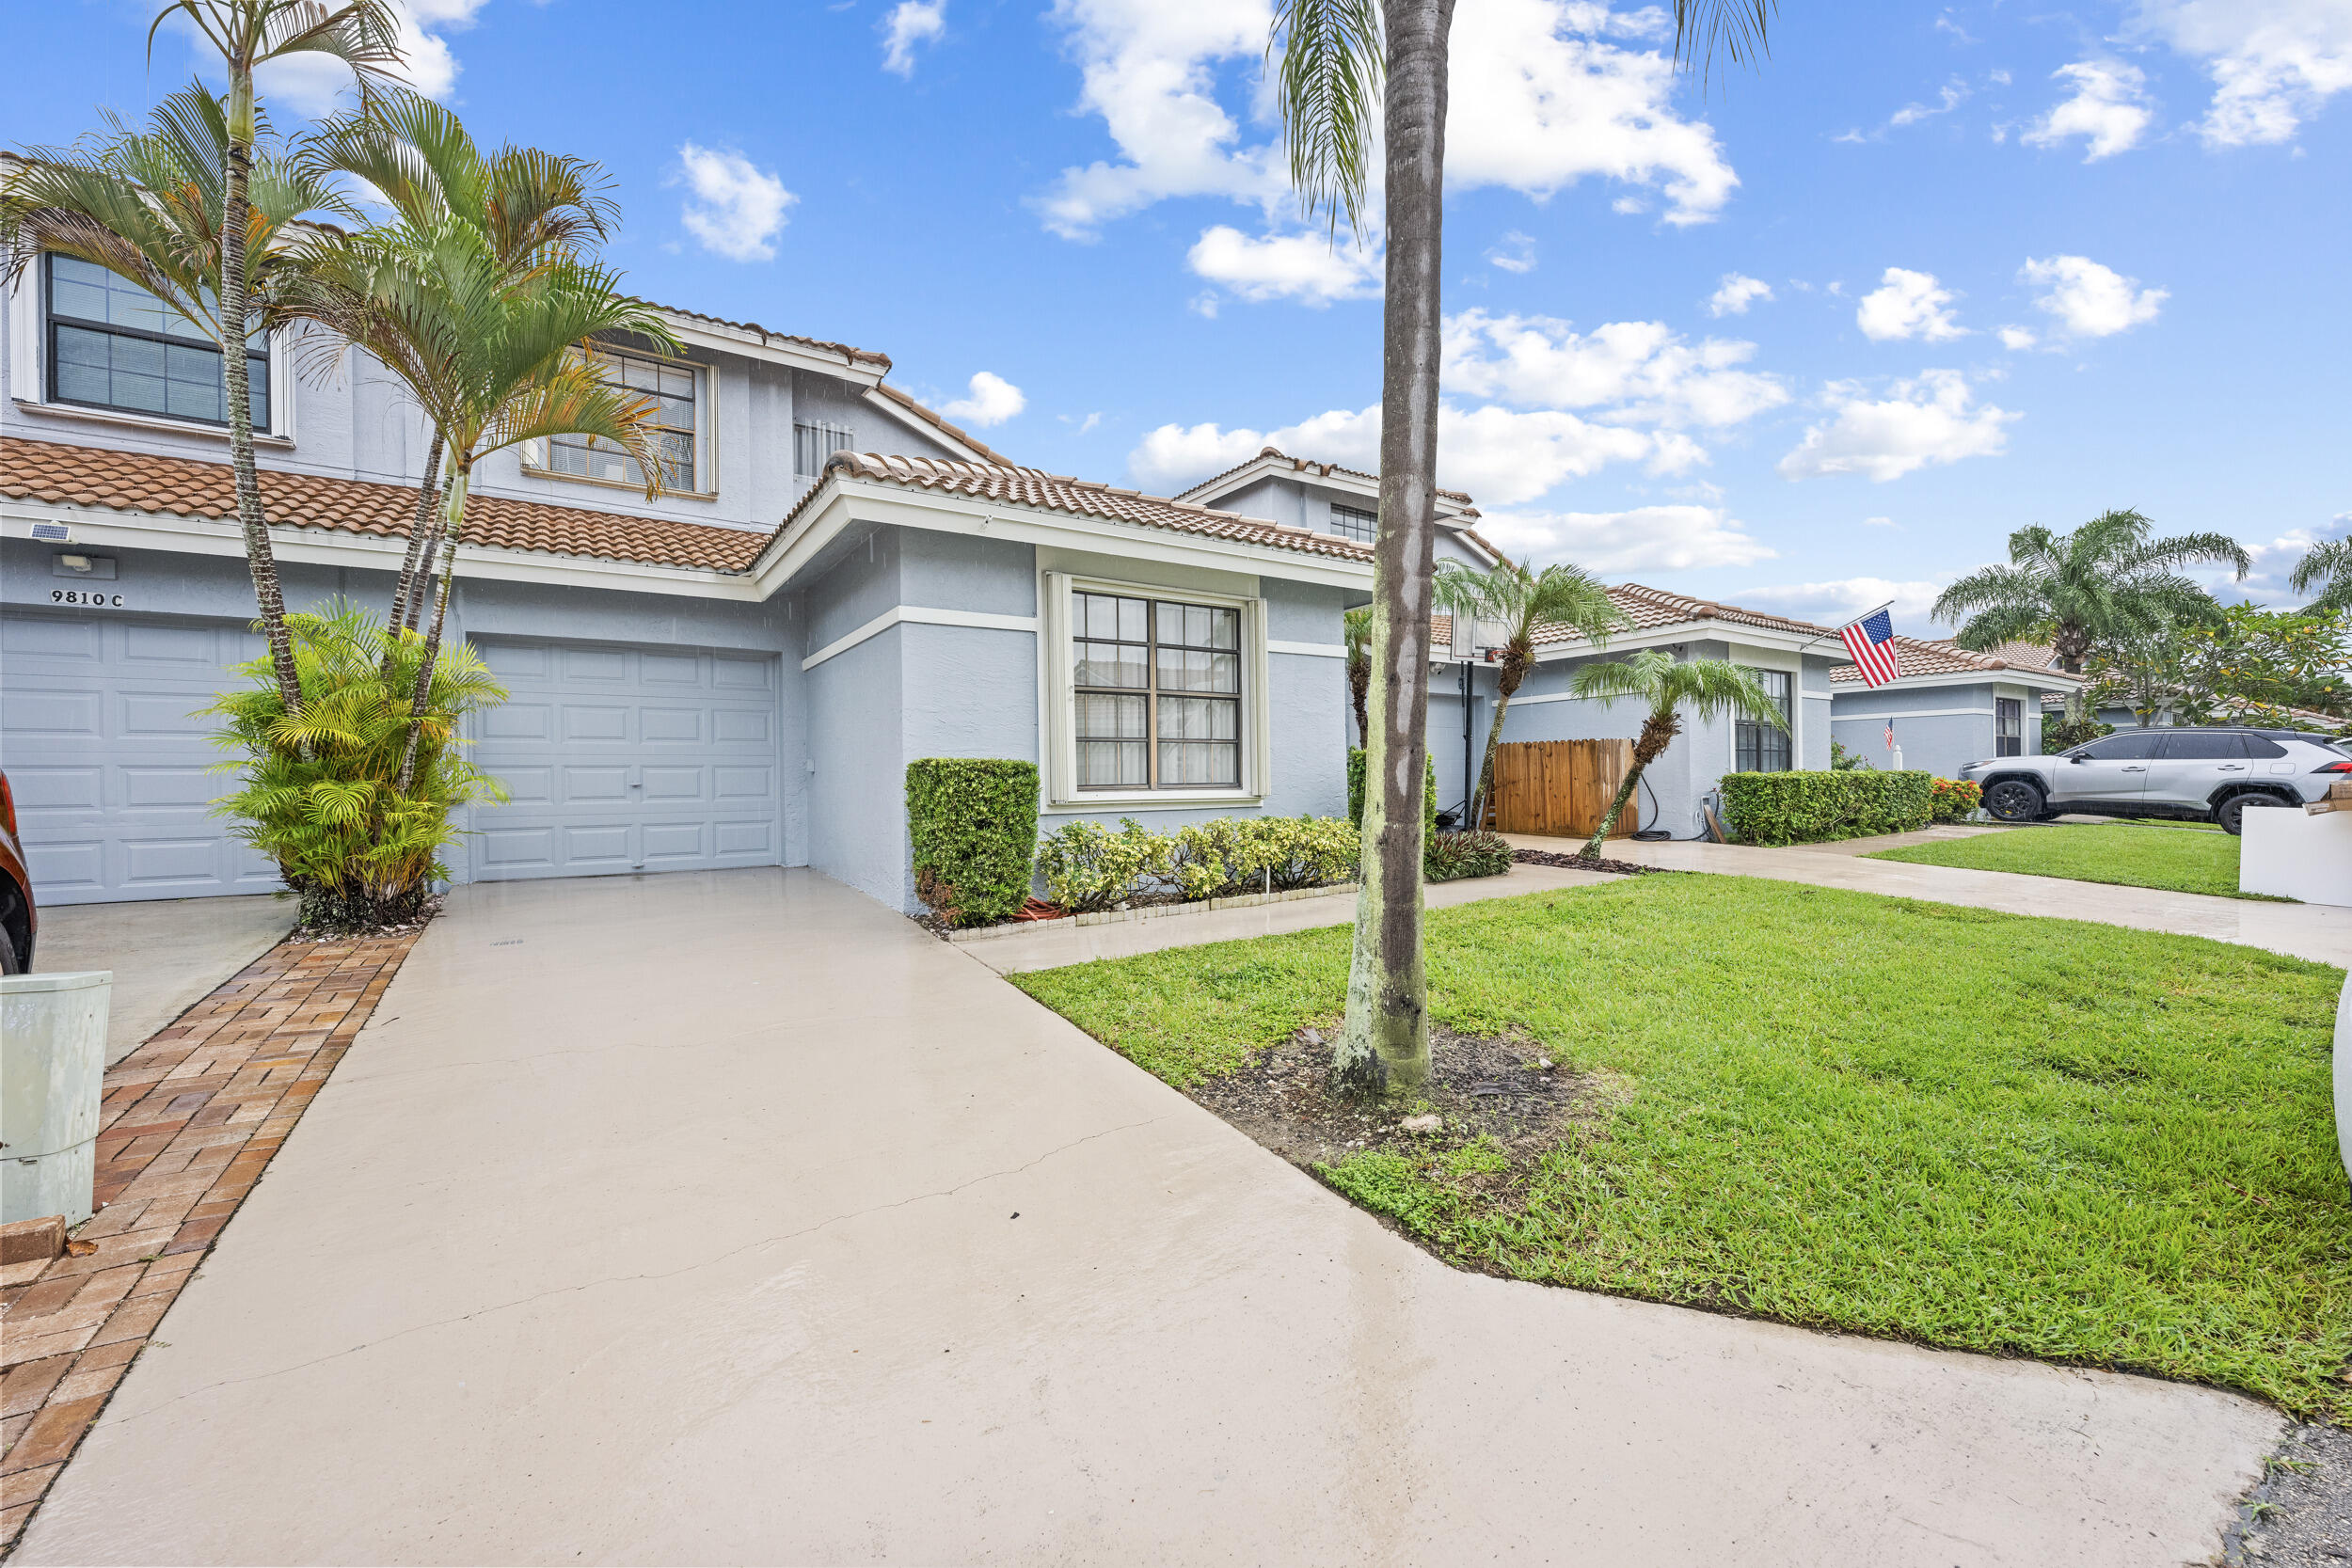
{"type": "Point", "coordinates": [1449, 857]}
{"type": "Point", "coordinates": [1950, 800]}
{"type": "Point", "coordinates": [1810, 808]}
{"type": "Point", "coordinates": [1087, 867]}
{"type": "Point", "coordinates": [1355, 792]}
{"type": "Point", "coordinates": [972, 823]}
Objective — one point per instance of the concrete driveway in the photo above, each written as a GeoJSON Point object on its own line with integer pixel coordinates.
{"type": "Point", "coordinates": [731, 1218]}
{"type": "Point", "coordinates": [167, 954]}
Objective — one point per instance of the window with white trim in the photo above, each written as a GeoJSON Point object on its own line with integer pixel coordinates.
{"type": "Point", "coordinates": [1157, 688]}
{"type": "Point", "coordinates": [112, 344]}
{"type": "Point", "coordinates": [2009, 726]}
{"type": "Point", "coordinates": [675, 388]}
{"type": "Point", "coordinates": [813, 443]}
{"type": "Point", "coordinates": [1350, 522]}
{"type": "Point", "coordinates": [1762, 748]}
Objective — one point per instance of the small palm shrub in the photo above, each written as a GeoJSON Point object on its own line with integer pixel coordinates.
{"type": "Point", "coordinates": [316, 788]}
{"type": "Point", "coordinates": [1450, 857]}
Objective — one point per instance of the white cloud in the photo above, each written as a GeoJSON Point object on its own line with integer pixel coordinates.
{"type": "Point", "coordinates": [2018, 338]}
{"type": "Point", "coordinates": [1878, 522]}
{"type": "Point", "coordinates": [1515, 252]}
{"type": "Point", "coordinates": [993, 401]}
{"type": "Point", "coordinates": [2110, 110]}
{"type": "Point", "coordinates": [1736, 293]}
{"type": "Point", "coordinates": [1928, 420]}
{"type": "Point", "coordinates": [737, 208]}
{"type": "Point", "coordinates": [2273, 62]}
{"type": "Point", "coordinates": [316, 85]}
{"type": "Point", "coordinates": [1908, 303]}
{"type": "Point", "coordinates": [1313, 268]}
{"type": "Point", "coordinates": [1502, 457]}
{"type": "Point", "coordinates": [1540, 99]}
{"type": "Point", "coordinates": [1639, 373]}
{"type": "Point", "coordinates": [1952, 95]}
{"type": "Point", "coordinates": [2090, 300]}
{"type": "Point", "coordinates": [1842, 598]}
{"type": "Point", "coordinates": [909, 23]}
{"type": "Point", "coordinates": [1644, 538]}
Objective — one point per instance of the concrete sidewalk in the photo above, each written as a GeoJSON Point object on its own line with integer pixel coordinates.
{"type": "Point", "coordinates": [733, 1218]}
{"type": "Point", "coordinates": [2316, 931]}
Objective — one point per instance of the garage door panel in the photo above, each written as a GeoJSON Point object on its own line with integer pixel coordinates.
{"type": "Point", "coordinates": [29, 714]}
{"type": "Point", "coordinates": [193, 788]}
{"type": "Point", "coordinates": [40, 790]}
{"type": "Point", "coordinates": [162, 866]}
{"type": "Point", "coordinates": [623, 763]}
{"type": "Point", "coordinates": [140, 715]}
{"type": "Point", "coordinates": [66, 866]}
{"type": "Point", "coordinates": [43, 637]}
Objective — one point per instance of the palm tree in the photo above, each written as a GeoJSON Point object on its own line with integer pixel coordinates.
{"type": "Point", "coordinates": [492, 357]}
{"type": "Point", "coordinates": [2328, 568]}
{"type": "Point", "coordinates": [363, 34]}
{"type": "Point", "coordinates": [1707, 687]}
{"type": "Point", "coordinates": [1356, 633]}
{"type": "Point", "coordinates": [1521, 600]}
{"type": "Point", "coordinates": [148, 206]}
{"type": "Point", "coordinates": [1342, 63]}
{"type": "Point", "coordinates": [2104, 583]}
{"type": "Point", "coordinates": [528, 205]}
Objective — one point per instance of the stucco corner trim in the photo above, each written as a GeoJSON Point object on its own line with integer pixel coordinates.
{"type": "Point", "coordinates": [1310, 650]}
{"type": "Point", "coordinates": [918, 615]}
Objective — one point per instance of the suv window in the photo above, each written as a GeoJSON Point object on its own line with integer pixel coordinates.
{"type": "Point", "coordinates": [2256, 746]}
{"type": "Point", "coordinates": [2202, 745]}
{"type": "Point", "coordinates": [2130, 746]}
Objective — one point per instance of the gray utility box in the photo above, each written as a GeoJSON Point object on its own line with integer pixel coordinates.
{"type": "Point", "coordinates": [53, 1068]}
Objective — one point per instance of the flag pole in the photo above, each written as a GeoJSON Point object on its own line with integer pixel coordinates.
{"type": "Point", "coordinates": [1841, 626]}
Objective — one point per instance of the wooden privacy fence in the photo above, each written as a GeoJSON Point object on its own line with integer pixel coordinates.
{"type": "Point", "coordinates": [1561, 787]}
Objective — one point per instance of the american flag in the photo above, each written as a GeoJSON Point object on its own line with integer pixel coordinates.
{"type": "Point", "coordinates": [1871, 642]}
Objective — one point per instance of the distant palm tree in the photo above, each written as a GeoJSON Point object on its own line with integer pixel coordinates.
{"type": "Point", "coordinates": [492, 357]}
{"type": "Point", "coordinates": [147, 205]}
{"type": "Point", "coordinates": [1355, 632]}
{"type": "Point", "coordinates": [1705, 687]}
{"type": "Point", "coordinates": [527, 204]}
{"type": "Point", "coordinates": [2106, 581]}
{"type": "Point", "coordinates": [2328, 568]}
{"type": "Point", "coordinates": [1346, 66]}
{"type": "Point", "coordinates": [1521, 600]}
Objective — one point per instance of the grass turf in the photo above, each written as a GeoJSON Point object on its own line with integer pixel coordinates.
{"type": "Point", "coordinates": [2125, 853]}
{"type": "Point", "coordinates": [1945, 1125]}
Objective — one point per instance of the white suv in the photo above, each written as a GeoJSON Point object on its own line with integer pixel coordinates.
{"type": "Point", "coordinates": [2212, 775]}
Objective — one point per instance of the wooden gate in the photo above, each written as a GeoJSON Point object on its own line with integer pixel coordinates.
{"type": "Point", "coordinates": [1561, 787]}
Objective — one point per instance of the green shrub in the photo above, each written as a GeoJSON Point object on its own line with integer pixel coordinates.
{"type": "Point", "coordinates": [1811, 807]}
{"type": "Point", "coordinates": [1262, 854]}
{"type": "Point", "coordinates": [2058, 736]}
{"type": "Point", "coordinates": [1086, 866]}
{"type": "Point", "coordinates": [1356, 791]}
{"type": "Point", "coordinates": [1950, 800]}
{"type": "Point", "coordinates": [317, 792]}
{"type": "Point", "coordinates": [1448, 857]}
{"type": "Point", "coordinates": [973, 824]}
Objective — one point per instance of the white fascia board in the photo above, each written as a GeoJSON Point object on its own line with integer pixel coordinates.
{"type": "Point", "coordinates": [1698, 631]}
{"type": "Point", "coordinates": [724, 338]}
{"type": "Point", "coordinates": [1268, 467]}
{"type": "Point", "coordinates": [855, 502]}
{"type": "Point", "coordinates": [924, 428]}
{"type": "Point", "coordinates": [143, 530]}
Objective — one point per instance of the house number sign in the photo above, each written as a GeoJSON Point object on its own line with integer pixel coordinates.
{"type": "Point", "coordinates": [86, 596]}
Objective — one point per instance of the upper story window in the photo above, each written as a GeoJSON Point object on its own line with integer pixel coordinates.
{"type": "Point", "coordinates": [1158, 684]}
{"type": "Point", "coordinates": [1764, 748]}
{"type": "Point", "coordinates": [114, 345]}
{"type": "Point", "coordinates": [1349, 523]}
{"type": "Point", "coordinates": [813, 443]}
{"type": "Point", "coordinates": [2009, 726]}
{"type": "Point", "coordinates": [676, 391]}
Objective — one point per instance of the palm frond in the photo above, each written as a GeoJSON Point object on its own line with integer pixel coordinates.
{"type": "Point", "coordinates": [1327, 87]}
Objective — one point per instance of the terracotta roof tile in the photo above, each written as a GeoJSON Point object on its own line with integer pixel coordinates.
{"type": "Point", "coordinates": [1309, 466]}
{"type": "Point", "coordinates": [1651, 609]}
{"type": "Point", "coordinates": [1034, 487]}
{"type": "Point", "coordinates": [928, 417]}
{"type": "Point", "coordinates": [1942, 656]}
{"type": "Point", "coordinates": [178, 486]}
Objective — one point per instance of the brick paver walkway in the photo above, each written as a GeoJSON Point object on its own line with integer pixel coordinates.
{"type": "Point", "coordinates": [188, 1123]}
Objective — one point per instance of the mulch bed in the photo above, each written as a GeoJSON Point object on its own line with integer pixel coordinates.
{"type": "Point", "coordinates": [1578, 862]}
{"type": "Point", "coordinates": [1509, 1090]}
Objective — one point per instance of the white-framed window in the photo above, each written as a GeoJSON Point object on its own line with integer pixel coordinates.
{"type": "Point", "coordinates": [679, 392]}
{"type": "Point", "coordinates": [1350, 522]}
{"type": "Point", "coordinates": [1764, 748]}
{"type": "Point", "coordinates": [110, 345]}
{"type": "Point", "coordinates": [1157, 694]}
{"type": "Point", "coordinates": [2009, 726]}
{"type": "Point", "coordinates": [813, 442]}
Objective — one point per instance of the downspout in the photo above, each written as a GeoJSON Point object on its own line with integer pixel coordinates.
{"type": "Point", "coordinates": [1469, 780]}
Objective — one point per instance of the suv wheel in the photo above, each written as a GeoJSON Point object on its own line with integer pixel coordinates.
{"type": "Point", "coordinates": [2013, 801]}
{"type": "Point", "coordinates": [2231, 814]}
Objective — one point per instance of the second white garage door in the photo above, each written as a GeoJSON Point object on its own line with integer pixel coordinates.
{"type": "Point", "coordinates": [624, 759]}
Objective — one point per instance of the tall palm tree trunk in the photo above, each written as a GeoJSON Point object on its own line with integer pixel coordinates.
{"type": "Point", "coordinates": [452, 528]}
{"type": "Point", "coordinates": [1512, 676]}
{"type": "Point", "coordinates": [420, 540]}
{"type": "Point", "coordinates": [1384, 1046]}
{"type": "Point", "coordinates": [236, 218]}
{"type": "Point", "coordinates": [1658, 733]}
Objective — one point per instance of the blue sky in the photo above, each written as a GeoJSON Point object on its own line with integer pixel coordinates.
{"type": "Point", "coordinates": [1812, 336]}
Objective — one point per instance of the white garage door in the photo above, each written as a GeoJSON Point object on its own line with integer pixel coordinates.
{"type": "Point", "coordinates": [627, 759]}
{"type": "Point", "coordinates": [110, 771]}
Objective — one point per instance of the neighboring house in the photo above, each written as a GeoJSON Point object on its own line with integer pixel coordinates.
{"type": "Point", "coordinates": [1792, 658]}
{"type": "Point", "coordinates": [1324, 498]}
{"type": "Point", "coordinates": [1949, 706]}
{"type": "Point", "coordinates": [732, 675]}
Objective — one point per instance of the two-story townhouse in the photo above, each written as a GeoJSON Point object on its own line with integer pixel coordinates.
{"type": "Point", "coordinates": [734, 674]}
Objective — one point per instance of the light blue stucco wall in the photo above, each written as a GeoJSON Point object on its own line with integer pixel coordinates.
{"type": "Point", "coordinates": [1940, 728]}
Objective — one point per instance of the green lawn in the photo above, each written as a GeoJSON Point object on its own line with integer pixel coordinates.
{"type": "Point", "coordinates": [1940, 1124]}
{"type": "Point", "coordinates": [2128, 853]}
